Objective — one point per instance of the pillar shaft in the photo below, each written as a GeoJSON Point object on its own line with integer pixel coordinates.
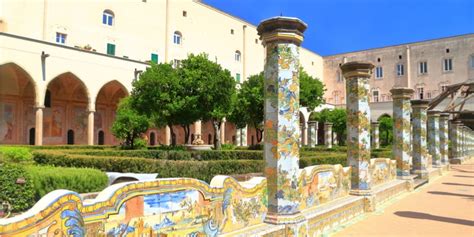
{"type": "Point", "coordinates": [453, 136]}
{"type": "Point", "coordinates": [304, 134]}
{"type": "Point", "coordinates": [328, 135]}
{"type": "Point", "coordinates": [282, 37]}
{"type": "Point", "coordinates": [39, 126]}
{"type": "Point", "coordinates": [167, 136]}
{"type": "Point", "coordinates": [402, 129]}
{"type": "Point", "coordinates": [443, 138]}
{"type": "Point", "coordinates": [90, 128]}
{"type": "Point", "coordinates": [433, 137]}
{"type": "Point", "coordinates": [312, 133]}
{"type": "Point", "coordinates": [375, 135]}
{"type": "Point", "coordinates": [197, 128]}
{"type": "Point", "coordinates": [222, 130]}
{"type": "Point", "coordinates": [357, 76]}
{"type": "Point", "coordinates": [420, 151]}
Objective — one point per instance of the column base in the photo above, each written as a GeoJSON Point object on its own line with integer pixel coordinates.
{"type": "Point", "coordinates": [276, 219]}
{"type": "Point", "coordinates": [369, 198]}
{"type": "Point", "coordinates": [421, 174]}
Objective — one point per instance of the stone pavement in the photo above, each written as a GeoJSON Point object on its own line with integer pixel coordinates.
{"type": "Point", "coordinates": [444, 207]}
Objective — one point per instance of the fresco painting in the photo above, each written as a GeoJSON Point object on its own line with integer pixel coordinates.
{"type": "Point", "coordinates": [53, 121]}
{"type": "Point", "coordinates": [7, 124]}
{"type": "Point", "coordinates": [80, 124]}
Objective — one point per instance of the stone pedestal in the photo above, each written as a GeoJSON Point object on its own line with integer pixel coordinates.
{"type": "Point", "coordinates": [375, 135]}
{"type": "Point", "coordinates": [328, 135]}
{"type": "Point", "coordinates": [402, 128]}
{"type": "Point", "coordinates": [282, 37]}
{"type": "Point", "coordinates": [443, 138]}
{"type": "Point", "coordinates": [433, 137]}
{"type": "Point", "coordinates": [357, 76]}
{"type": "Point", "coordinates": [420, 151]}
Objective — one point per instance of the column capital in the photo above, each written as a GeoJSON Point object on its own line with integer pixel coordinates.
{"type": "Point", "coordinates": [40, 107]}
{"type": "Point", "coordinates": [357, 69]}
{"type": "Point", "coordinates": [327, 124]}
{"type": "Point", "coordinates": [375, 123]}
{"type": "Point", "coordinates": [401, 92]}
{"type": "Point", "coordinates": [434, 113]}
{"type": "Point", "coordinates": [313, 122]}
{"type": "Point", "coordinates": [444, 115]}
{"type": "Point", "coordinates": [423, 104]}
{"type": "Point", "coordinates": [283, 29]}
{"type": "Point", "coordinates": [91, 111]}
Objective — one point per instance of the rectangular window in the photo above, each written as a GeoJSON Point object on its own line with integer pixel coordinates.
{"type": "Point", "coordinates": [375, 96]}
{"type": "Point", "coordinates": [237, 77]}
{"type": "Point", "coordinates": [423, 67]}
{"type": "Point", "coordinates": [400, 70]}
{"type": "Point", "coordinates": [448, 64]}
{"type": "Point", "coordinates": [61, 38]}
{"type": "Point", "coordinates": [110, 49]}
{"type": "Point", "coordinates": [420, 92]}
{"type": "Point", "coordinates": [154, 57]}
{"type": "Point", "coordinates": [444, 88]}
{"type": "Point", "coordinates": [176, 63]}
{"type": "Point", "coordinates": [378, 72]}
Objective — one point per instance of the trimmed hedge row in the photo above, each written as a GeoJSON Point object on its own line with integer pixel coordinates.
{"type": "Point", "coordinates": [203, 170]}
{"type": "Point", "coordinates": [16, 186]}
{"type": "Point", "coordinates": [174, 155]}
{"type": "Point", "coordinates": [47, 179]}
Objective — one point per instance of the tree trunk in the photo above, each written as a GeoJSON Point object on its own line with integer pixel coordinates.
{"type": "Point", "coordinates": [173, 136]}
{"type": "Point", "coordinates": [217, 134]}
{"type": "Point", "coordinates": [259, 133]}
{"type": "Point", "coordinates": [187, 133]}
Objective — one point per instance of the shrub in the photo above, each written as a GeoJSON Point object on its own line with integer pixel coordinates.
{"type": "Point", "coordinates": [204, 170]}
{"type": "Point", "coordinates": [16, 154]}
{"type": "Point", "coordinates": [81, 180]}
{"type": "Point", "coordinates": [228, 147]}
{"type": "Point", "coordinates": [19, 195]}
{"type": "Point", "coordinates": [258, 146]}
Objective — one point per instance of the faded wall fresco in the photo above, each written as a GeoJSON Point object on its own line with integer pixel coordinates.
{"type": "Point", "coordinates": [7, 122]}
{"type": "Point", "coordinates": [53, 124]}
{"type": "Point", "coordinates": [79, 125]}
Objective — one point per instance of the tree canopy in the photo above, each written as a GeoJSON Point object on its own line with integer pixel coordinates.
{"type": "Point", "coordinates": [129, 124]}
{"type": "Point", "coordinates": [311, 91]}
{"type": "Point", "coordinates": [386, 130]}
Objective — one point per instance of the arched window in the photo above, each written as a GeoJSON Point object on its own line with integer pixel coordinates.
{"type": "Point", "coordinates": [70, 137]}
{"type": "Point", "coordinates": [237, 56]}
{"type": "Point", "coordinates": [108, 17]}
{"type": "Point", "coordinates": [177, 37]}
{"type": "Point", "coordinates": [101, 138]}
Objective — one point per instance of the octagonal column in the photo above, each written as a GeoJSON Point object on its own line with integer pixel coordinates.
{"type": "Point", "coordinates": [463, 141]}
{"type": "Point", "coordinates": [402, 128]}
{"type": "Point", "coordinates": [312, 133]}
{"type": "Point", "coordinates": [443, 138]}
{"type": "Point", "coordinates": [328, 135]}
{"type": "Point", "coordinates": [375, 135]}
{"type": "Point", "coordinates": [357, 75]}
{"type": "Point", "coordinates": [433, 137]}
{"type": "Point", "coordinates": [420, 151]}
{"type": "Point", "coordinates": [455, 139]}
{"type": "Point", "coordinates": [282, 37]}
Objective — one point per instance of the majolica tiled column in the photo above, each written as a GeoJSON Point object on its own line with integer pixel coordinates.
{"type": "Point", "coordinates": [455, 140]}
{"type": "Point", "coordinates": [312, 133]}
{"type": "Point", "coordinates": [433, 137]}
{"type": "Point", "coordinates": [282, 37]}
{"type": "Point", "coordinates": [402, 128]}
{"type": "Point", "coordinates": [357, 75]}
{"type": "Point", "coordinates": [375, 135]}
{"type": "Point", "coordinates": [443, 138]}
{"type": "Point", "coordinates": [420, 151]}
{"type": "Point", "coordinates": [328, 135]}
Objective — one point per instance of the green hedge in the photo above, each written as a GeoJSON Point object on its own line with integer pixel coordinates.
{"type": "Point", "coordinates": [174, 155]}
{"type": "Point", "coordinates": [203, 170]}
{"type": "Point", "coordinates": [20, 196]}
{"type": "Point", "coordinates": [47, 179]}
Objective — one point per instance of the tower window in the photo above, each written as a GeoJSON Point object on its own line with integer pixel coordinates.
{"type": "Point", "coordinates": [237, 56]}
{"type": "Point", "coordinates": [400, 70]}
{"type": "Point", "coordinates": [447, 50]}
{"type": "Point", "coordinates": [378, 72]}
{"type": "Point", "coordinates": [110, 49]}
{"type": "Point", "coordinates": [448, 64]}
{"type": "Point", "coordinates": [232, 31]}
{"type": "Point", "coordinates": [154, 57]}
{"type": "Point", "coordinates": [423, 67]}
{"type": "Point", "coordinates": [185, 14]}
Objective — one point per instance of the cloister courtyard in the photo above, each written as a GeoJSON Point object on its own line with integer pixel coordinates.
{"type": "Point", "coordinates": [365, 143]}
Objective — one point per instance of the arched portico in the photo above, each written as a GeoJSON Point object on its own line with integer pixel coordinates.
{"type": "Point", "coordinates": [106, 104]}
{"type": "Point", "coordinates": [65, 114]}
{"type": "Point", "coordinates": [17, 105]}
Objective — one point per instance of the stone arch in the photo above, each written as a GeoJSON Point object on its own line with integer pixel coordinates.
{"type": "Point", "coordinates": [106, 103]}
{"type": "Point", "coordinates": [18, 99]}
{"type": "Point", "coordinates": [383, 115]}
{"type": "Point", "coordinates": [70, 102]}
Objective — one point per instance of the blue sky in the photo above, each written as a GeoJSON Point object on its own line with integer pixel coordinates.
{"type": "Point", "coordinates": [338, 26]}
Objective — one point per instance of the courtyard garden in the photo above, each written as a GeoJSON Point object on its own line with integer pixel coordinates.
{"type": "Point", "coordinates": [29, 172]}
